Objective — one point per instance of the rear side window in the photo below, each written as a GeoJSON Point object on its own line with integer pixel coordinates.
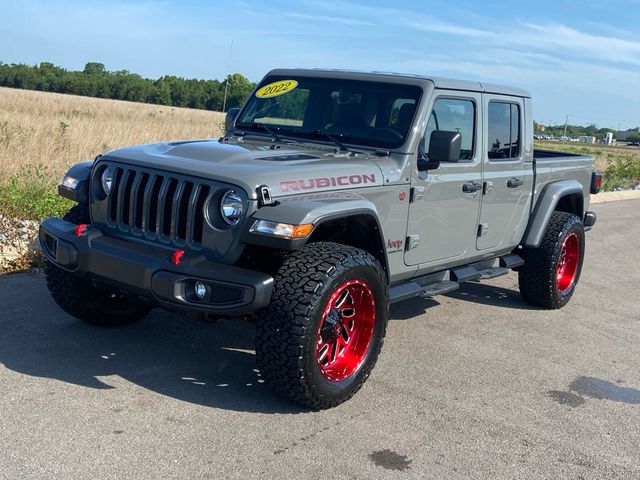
{"type": "Point", "coordinates": [453, 115]}
{"type": "Point", "coordinates": [504, 131]}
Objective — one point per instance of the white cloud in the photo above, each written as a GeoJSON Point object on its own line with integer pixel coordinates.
{"type": "Point", "coordinates": [570, 41]}
{"type": "Point", "coordinates": [437, 26]}
{"type": "Point", "coordinates": [330, 19]}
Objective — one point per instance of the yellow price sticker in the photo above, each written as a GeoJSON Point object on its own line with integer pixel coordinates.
{"type": "Point", "coordinates": [276, 88]}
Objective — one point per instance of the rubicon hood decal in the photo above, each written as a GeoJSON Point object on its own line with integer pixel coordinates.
{"type": "Point", "coordinates": [327, 182]}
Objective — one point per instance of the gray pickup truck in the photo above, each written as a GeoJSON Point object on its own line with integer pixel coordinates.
{"type": "Point", "coordinates": [332, 195]}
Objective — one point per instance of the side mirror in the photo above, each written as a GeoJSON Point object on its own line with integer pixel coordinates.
{"type": "Point", "coordinates": [229, 118]}
{"type": "Point", "coordinates": [445, 146]}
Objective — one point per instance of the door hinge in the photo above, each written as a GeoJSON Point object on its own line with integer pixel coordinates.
{"type": "Point", "coordinates": [416, 194]}
{"type": "Point", "coordinates": [483, 228]}
{"type": "Point", "coordinates": [412, 241]}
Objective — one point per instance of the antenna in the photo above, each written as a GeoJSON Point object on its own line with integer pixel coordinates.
{"type": "Point", "coordinates": [226, 85]}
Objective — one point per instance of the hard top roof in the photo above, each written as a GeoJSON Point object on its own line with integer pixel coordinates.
{"type": "Point", "coordinates": [439, 82]}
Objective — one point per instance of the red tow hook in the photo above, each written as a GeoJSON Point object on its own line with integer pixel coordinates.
{"type": "Point", "coordinates": [176, 257]}
{"type": "Point", "coordinates": [81, 229]}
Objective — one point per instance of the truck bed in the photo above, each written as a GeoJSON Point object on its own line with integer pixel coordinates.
{"type": "Point", "coordinates": [556, 155]}
{"type": "Point", "coordinates": [551, 166]}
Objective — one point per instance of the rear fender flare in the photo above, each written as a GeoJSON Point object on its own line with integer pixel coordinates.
{"type": "Point", "coordinates": [546, 205]}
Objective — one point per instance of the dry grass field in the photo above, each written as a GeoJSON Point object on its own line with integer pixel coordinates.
{"type": "Point", "coordinates": [54, 130]}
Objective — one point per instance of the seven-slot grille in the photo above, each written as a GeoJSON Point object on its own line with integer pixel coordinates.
{"type": "Point", "coordinates": [157, 206]}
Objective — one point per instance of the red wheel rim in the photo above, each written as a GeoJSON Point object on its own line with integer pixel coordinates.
{"type": "Point", "coordinates": [568, 262]}
{"type": "Point", "coordinates": [345, 331]}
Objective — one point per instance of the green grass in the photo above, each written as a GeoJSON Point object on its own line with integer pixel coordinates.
{"type": "Point", "coordinates": [31, 194]}
{"type": "Point", "coordinates": [621, 173]}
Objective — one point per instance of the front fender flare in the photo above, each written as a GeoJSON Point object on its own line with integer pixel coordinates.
{"type": "Point", "coordinates": [315, 209]}
{"type": "Point", "coordinates": [82, 172]}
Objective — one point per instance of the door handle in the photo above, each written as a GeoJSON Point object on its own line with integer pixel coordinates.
{"type": "Point", "coordinates": [514, 183]}
{"type": "Point", "coordinates": [471, 187]}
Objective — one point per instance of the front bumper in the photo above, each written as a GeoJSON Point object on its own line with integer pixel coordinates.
{"type": "Point", "coordinates": [147, 271]}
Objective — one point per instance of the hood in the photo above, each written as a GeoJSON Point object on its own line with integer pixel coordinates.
{"type": "Point", "coordinates": [287, 170]}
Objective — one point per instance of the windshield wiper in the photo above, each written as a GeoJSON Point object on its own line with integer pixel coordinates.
{"type": "Point", "coordinates": [321, 133]}
{"type": "Point", "coordinates": [267, 129]}
{"type": "Point", "coordinates": [270, 131]}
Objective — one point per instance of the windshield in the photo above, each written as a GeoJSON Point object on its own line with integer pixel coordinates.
{"type": "Point", "coordinates": [356, 112]}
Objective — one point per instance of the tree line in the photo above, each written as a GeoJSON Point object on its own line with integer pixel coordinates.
{"type": "Point", "coordinates": [590, 130]}
{"type": "Point", "coordinates": [96, 81]}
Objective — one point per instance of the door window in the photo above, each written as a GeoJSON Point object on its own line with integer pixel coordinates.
{"type": "Point", "coordinates": [453, 115]}
{"type": "Point", "coordinates": [504, 131]}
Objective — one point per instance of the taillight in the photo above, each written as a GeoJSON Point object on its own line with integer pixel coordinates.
{"type": "Point", "coordinates": [596, 182]}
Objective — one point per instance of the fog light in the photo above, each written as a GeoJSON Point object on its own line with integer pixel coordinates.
{"type": "Point", "coordinates": [200, 290]}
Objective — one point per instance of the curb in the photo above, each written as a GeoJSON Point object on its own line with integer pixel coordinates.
{"type": "Point", "coordinates": [604, 197]}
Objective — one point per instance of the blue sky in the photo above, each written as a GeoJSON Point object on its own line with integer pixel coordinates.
{"type": "Point", "coordinates": [577, 58]}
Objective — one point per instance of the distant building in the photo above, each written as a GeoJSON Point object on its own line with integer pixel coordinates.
{"type": "Point", "coordinates": [608, 138]}
{"type": "Point", "coordinates": [541, 128]}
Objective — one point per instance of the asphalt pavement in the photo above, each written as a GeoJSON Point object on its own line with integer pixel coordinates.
{"type": "Point", "coordinates": [476, 384]}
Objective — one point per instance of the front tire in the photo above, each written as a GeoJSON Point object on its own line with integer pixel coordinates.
{"type": "Point", "coordinates": [104, 307]}
{"type": "Point", "coordinates": [321, 335]}
{"type": "Point", "coordinates": [551, 272]}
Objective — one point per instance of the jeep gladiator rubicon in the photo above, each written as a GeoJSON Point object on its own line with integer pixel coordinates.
{"type": "Point", "coordinates": [332, 195]}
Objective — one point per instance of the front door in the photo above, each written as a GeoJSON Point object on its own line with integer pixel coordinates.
{"type": "Point", "coordinates": [506, 185]}
{"type": "Point", "coordinates": [443, 215]}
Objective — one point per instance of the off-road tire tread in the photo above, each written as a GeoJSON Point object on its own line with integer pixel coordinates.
{"type": "Point", "coordinates": [77, 297]}
{"type": "Point", "coordinates": [536, 278]}
{"type": "Point", "coordinates": [287, 321]}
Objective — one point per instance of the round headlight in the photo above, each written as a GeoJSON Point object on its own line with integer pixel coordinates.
{"type": "Point", "coordinates": [106, 180]}
{"type": "Point", "coordinates": [231, 207]}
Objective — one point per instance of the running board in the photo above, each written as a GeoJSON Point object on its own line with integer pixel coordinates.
{"type": "Point", "coordinates": [493, 272]}
{"type": "Point", "coordinates": [408, 290]}
{"type": "Point", "coordinates": [438, 284]}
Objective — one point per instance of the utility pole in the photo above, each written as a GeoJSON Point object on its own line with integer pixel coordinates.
{"type": "Point", "coordinates": [566, 122]}
{"type": "Point", "coordinates": [226, 80]}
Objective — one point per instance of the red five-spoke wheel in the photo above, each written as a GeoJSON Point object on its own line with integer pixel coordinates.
{"type": "Point", "coordinates": [568, 262]}
{"type": "Point", "coordinates": [345, 330]}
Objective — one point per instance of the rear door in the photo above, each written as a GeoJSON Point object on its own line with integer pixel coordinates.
{"type": "Point", "coordinates": [443, 215]}
{"type": "Point", "coordinates": [506, 186]}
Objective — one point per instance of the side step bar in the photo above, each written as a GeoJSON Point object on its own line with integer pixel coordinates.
{"type": "Point", "coordinates": [448, 281]}
{"type": "Point", "coordinates": [406, 290]}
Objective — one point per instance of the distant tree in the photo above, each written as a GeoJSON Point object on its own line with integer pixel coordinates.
{"type": "Point", "coordinates": [96, 81]}
{"type": "Point", "coordinates": [634, 137]}
{"type": "Point", "coordinates": [238, 89]}
{"type": "Point", "coordinates": [162, 95]}
{"type": "Point", "coordinates": [94, 68]}
{"type": "Point", "coordinates": [591, 130]}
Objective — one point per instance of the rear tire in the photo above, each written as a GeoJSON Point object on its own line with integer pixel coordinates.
{"type": "Point", "coordinates": [551, 272]}
{"type": "Point", "coordinates": [320, 337]}
{"type": "Point", "coordinates": [77, 297]}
